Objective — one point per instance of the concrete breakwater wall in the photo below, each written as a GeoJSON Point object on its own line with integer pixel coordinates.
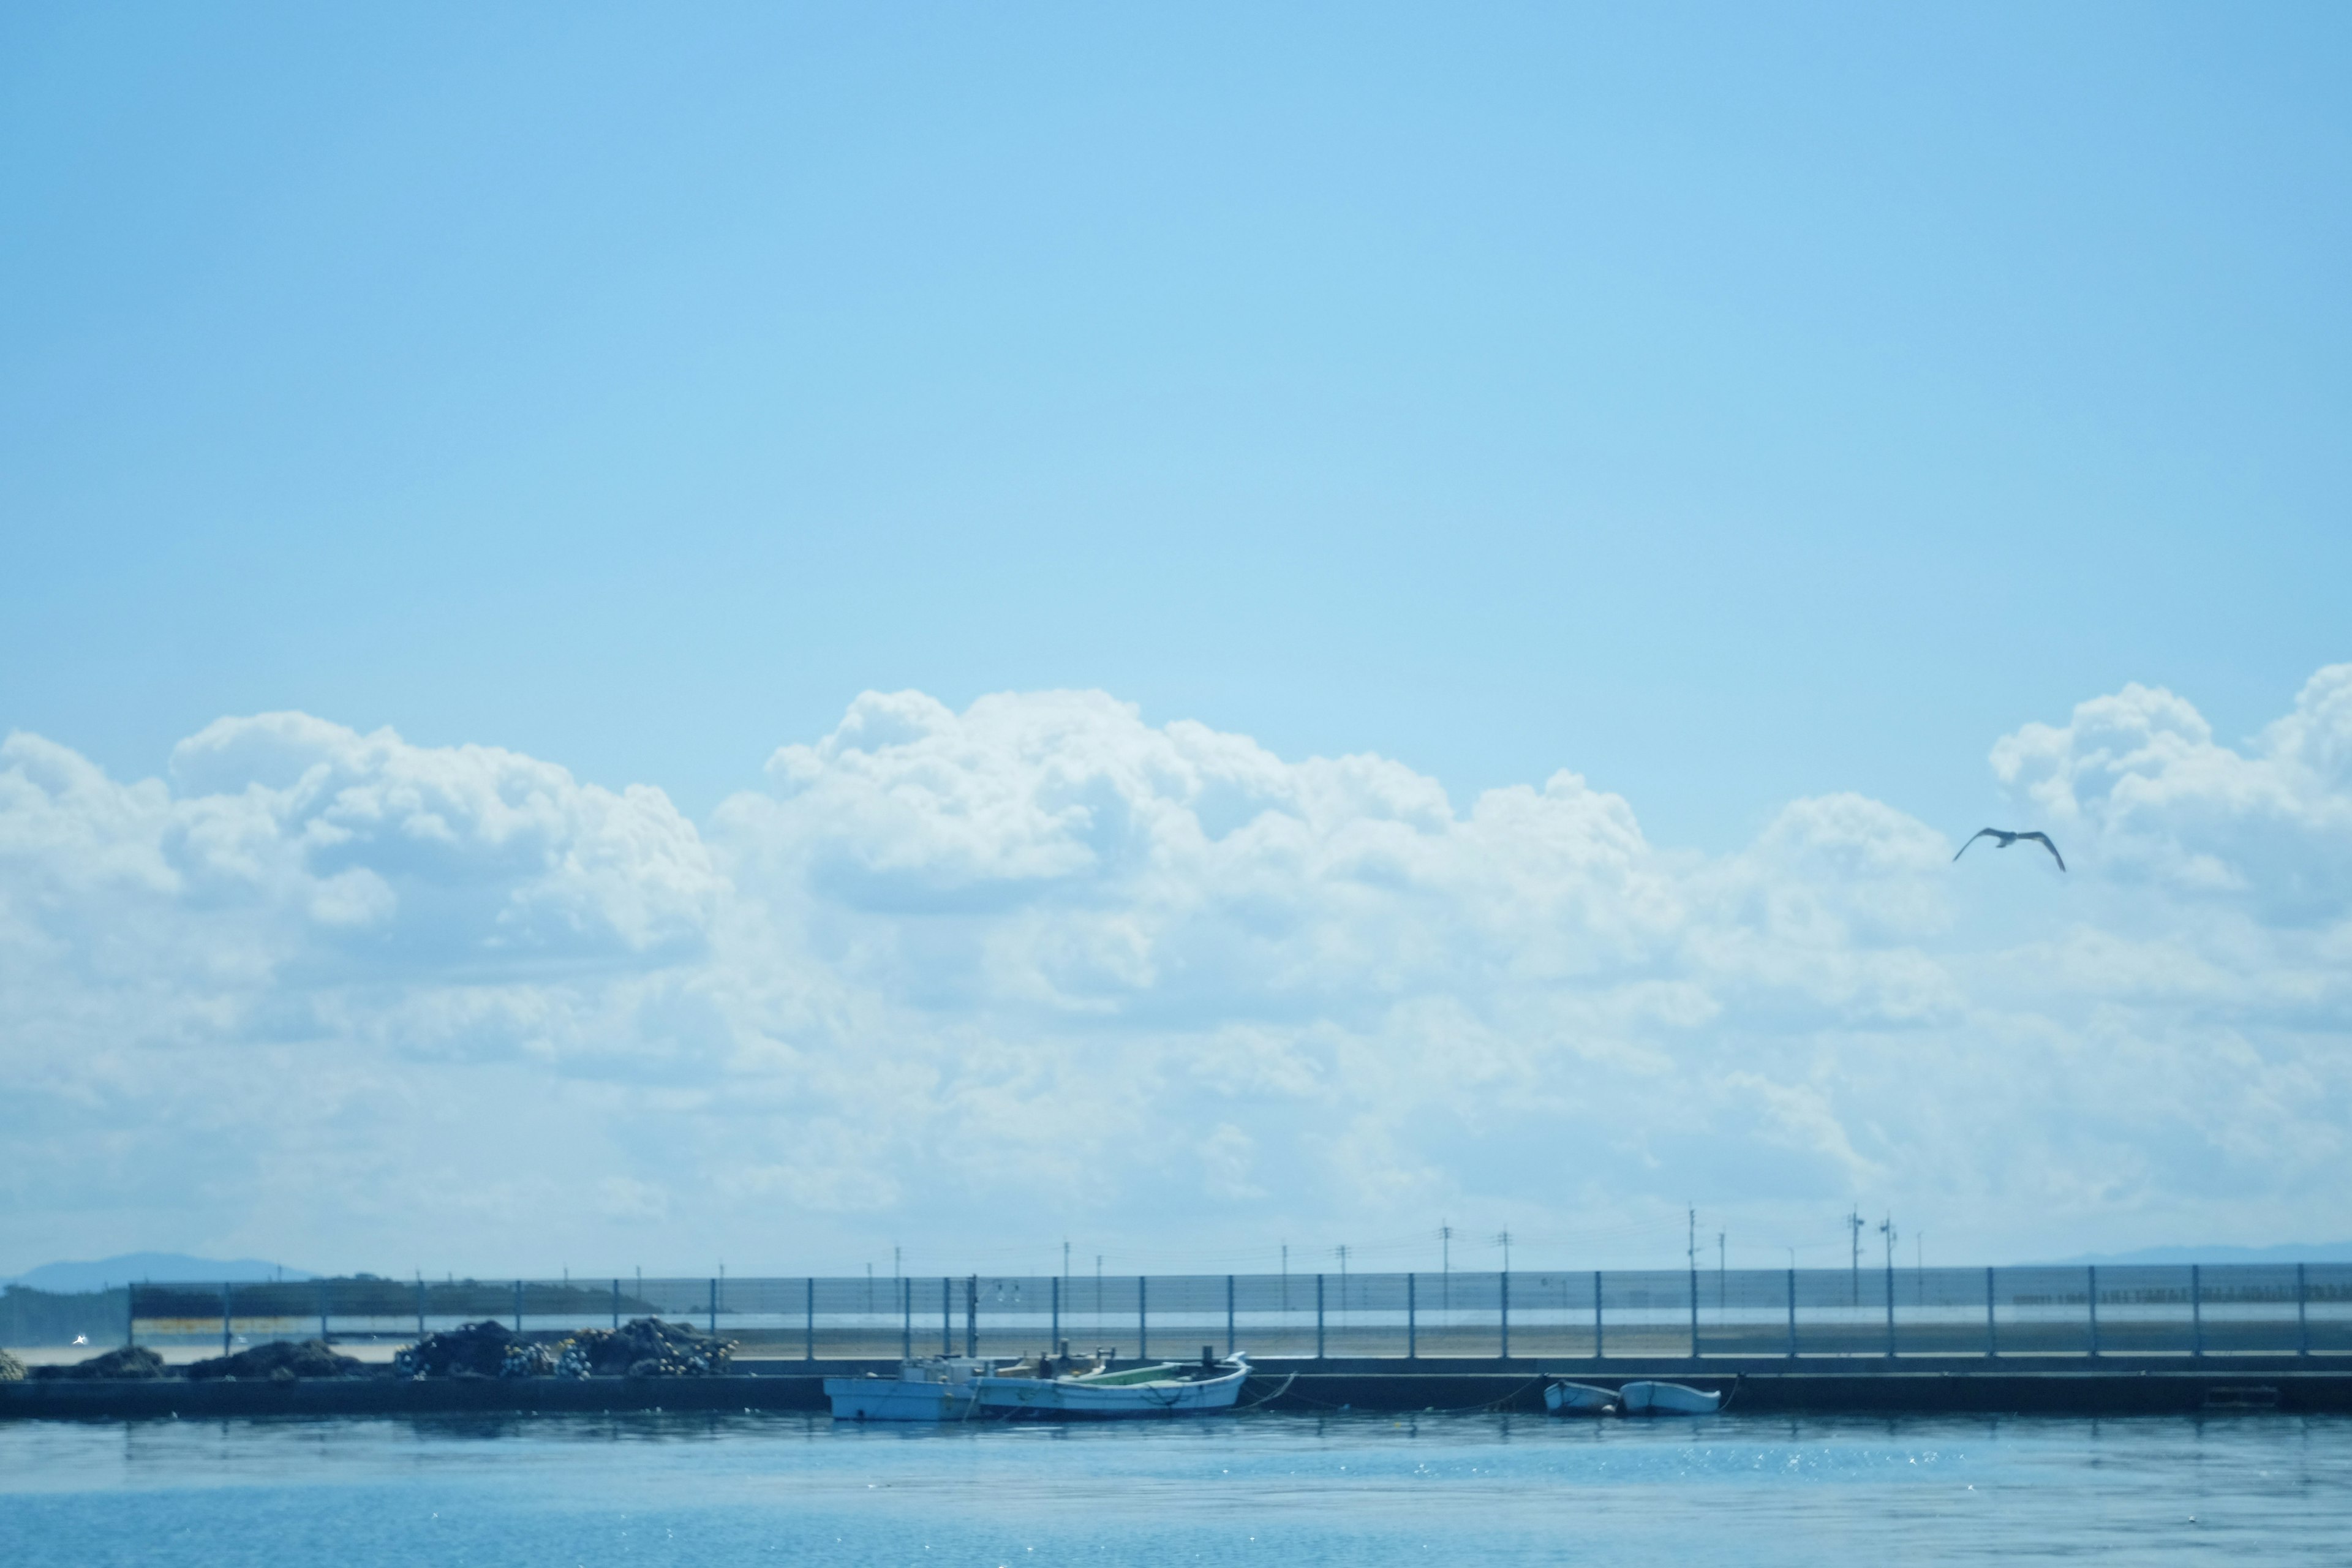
{"type": "Point", "coordinates": [1760, 1386]}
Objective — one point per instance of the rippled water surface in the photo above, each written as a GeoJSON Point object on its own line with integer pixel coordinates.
{"type": "Point", "coordinates": [756, 1488]}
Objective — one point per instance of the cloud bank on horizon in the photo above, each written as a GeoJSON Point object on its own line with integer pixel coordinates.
{"type": "Point", "coordinates": [974, 981]}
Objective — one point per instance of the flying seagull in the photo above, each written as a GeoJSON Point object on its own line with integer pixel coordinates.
{"type": "Point", "coordinates": [2009, 838]}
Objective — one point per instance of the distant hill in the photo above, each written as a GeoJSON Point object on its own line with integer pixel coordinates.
{"type": "Point", "coordinates": [2292, 1252]}
{"type": "Point", "coordinates": [164, 1267]}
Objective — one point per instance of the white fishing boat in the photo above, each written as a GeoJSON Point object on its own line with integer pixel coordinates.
{"type": "Point", "coordinates": [1163, 1388]}
{"type": "Point", "coordinates": [933, 1388]}
{"type": "Point", "coordinates": [1566, 1398]}
{"type": "Point", "coordinates": [1668, 1399]}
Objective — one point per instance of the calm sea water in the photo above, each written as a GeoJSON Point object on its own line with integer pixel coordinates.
{"type": "Point", "coordinates": [769, 1490]}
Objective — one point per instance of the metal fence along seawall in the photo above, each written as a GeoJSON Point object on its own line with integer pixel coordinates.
{"type": "Point", "coordinates": [2216, 1309]}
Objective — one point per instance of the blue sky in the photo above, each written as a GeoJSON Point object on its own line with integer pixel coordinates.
{"type": "Point", "coordinates": [1736, 406]}
{"type": "Point", "coordinates": [1727, 403]}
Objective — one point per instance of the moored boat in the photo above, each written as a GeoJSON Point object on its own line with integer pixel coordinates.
{"type": "Point", "coordinates": [933, 1388]}
{"type": "Point", "coordinates": [1565, 1398]}
{"type": "Point", "coordinates": [1668, 1399]}
{"type": "Point", "coordinates": [1163, 1388]}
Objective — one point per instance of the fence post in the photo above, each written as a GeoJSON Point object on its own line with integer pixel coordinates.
{"type": "Point", "coordinates": [947, 1331]}
{"type": "Point", "coordinates": [2302, 1312]}
{"type": "Point", "coordinates": [972, 1315]}
{"type": "Point", "coordinates": [518, 1306]}
{"type": "Point", "coordinates": [1793, 1314]}
{"type": "Point", "coordinates": [906, 1319]}
{"type": "Point", "coordinates": [1506, 1314]}
{"type": "Point", "coordinates": [322, 1312]}
{"type": "Point", "coordinates": [1318, 1317]}
{"type": "Point", "coordinates": [2196, 1310]}
{"type": "Point", "coordinates": [808, 1318]}
{"type": "Point", "coordinates": [1412, 1319]}
{"type": "Point", "coordinates": [2092, 1300]}
{"type": "Point", "coordinates": [1229, 1315]}
{"type": "Point", "coordinates": [1890, 1300]}
{"type": "Point", "coordinates": [1992, 1331]}
{"type": "Point", "coordinates": [617, 1307]}
{"type": "Point", "coordinates": [227, 1291]}
{"type": "Point", "coordinates": [1142, 1318]}
{"type": "Point", "coordinates": [1596, 1315]}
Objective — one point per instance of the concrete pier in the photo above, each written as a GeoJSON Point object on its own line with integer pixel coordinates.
{"type": "Point", "coordinates": [1921, 1385]}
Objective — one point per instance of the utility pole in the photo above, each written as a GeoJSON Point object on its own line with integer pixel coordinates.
{"type": "Point", "coordinates": [1503, 1240]}
{"type": "Point", "coordinates": [896, 1264]}
{"type": "Point", "coordinates": [1066, 1266]}
{"type": "Point", "coordinates": [1342, 1250]}
{"type": "Point", "coordinates": [1286, 1277]}
{"type": "Point", "coordinates": [1719, 1275]}
{"type": "Point", "coordinates": [1853, 1224]}
{"type": "Point", "coordinates": [1886, 1228]}
{"type": "Point", "coordinates": [1446, 1264]}
{"type": "Point", "coordinates": [1690, 1253]}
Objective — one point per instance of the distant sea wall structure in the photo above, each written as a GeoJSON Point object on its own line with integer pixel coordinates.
{"type": "Point", "coordinates": [2218, 1311]}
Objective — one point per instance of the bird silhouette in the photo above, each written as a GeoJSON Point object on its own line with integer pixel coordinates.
{"type": "Point", "coordinates": [2008, 838]}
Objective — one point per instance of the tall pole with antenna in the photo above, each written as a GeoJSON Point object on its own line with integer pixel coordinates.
{"type": "Point", "coordinates": [1691, 1253]}
{"type": "Point", "coordinates": [1446, 1264]}
{"type": "Point", "coordinates": [1886, 1228]}
{"type": "Point", "coordinates": [1853, 1224]}
{"type": "Point", "coordinates": [1721, 1277]}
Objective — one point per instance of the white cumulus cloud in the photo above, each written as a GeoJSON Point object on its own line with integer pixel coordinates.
{"type": "Point", "coordinates": [973, 981]}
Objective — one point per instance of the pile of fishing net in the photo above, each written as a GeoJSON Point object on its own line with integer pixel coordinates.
{"type": "Point", "coordinates": [278, 1361]}
{"type": "Point", "coordinates": [122, 1361]}
{"type": "Point", "coordinates": [644, 1347]}
{"type": "Point", "coordinates": [486, 1349]}
{"type": "Point", "coordinates": [11, 1369]}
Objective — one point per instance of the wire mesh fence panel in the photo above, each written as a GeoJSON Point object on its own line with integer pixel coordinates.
{"type": "Point", "coordinates": [2146, 1311]}
{"type": "Point", "coordinates": [2326, 1302]}
{"type": "Point", "coordinates": [2248, 1310]}
{"type": "Point", "coordinates": [1939, 1311]}
{"type": "Point", "coordinates": [1012, 1315]}
{"type": "Point", "coordinates": [1743, 1311]}
{"type": "Point", "coordinates": [855, 1317]}
{"type": "Point", "coordinates": [1645, 1314]}
{"type": "Point", "coordinates": [2216, 1310]}
{"type": "Point", "coordinates": [1840, 1312]}
{"type": "Point", "coordinates": [1274, 1314]}
{"type": "Point", "coordinates": [1364, 1314]}
{"type": "Point", "coordinates": [1186, 1312]}
{"type": "Point", "coordinates": [1103, 1312]}
{"type": "Point", "coordinates": [1551, 1313]}
{"type": "Point", "coordinates": [1459, 1314]}
{"type": "Point", "coordinates": [2043, 1312]}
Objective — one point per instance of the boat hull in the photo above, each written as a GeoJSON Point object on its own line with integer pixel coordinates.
{"type": "Point", "coordinates": [1579, 1399]}
{"type": "Point", "coordinates": [1668, 1399]}
{"type": "Point", "coordinates": [1074, 1399]}
{"type": "Point", "coordinates": [933, 1388]}
{"type": "Point", "coordinates": [889, 1399]}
